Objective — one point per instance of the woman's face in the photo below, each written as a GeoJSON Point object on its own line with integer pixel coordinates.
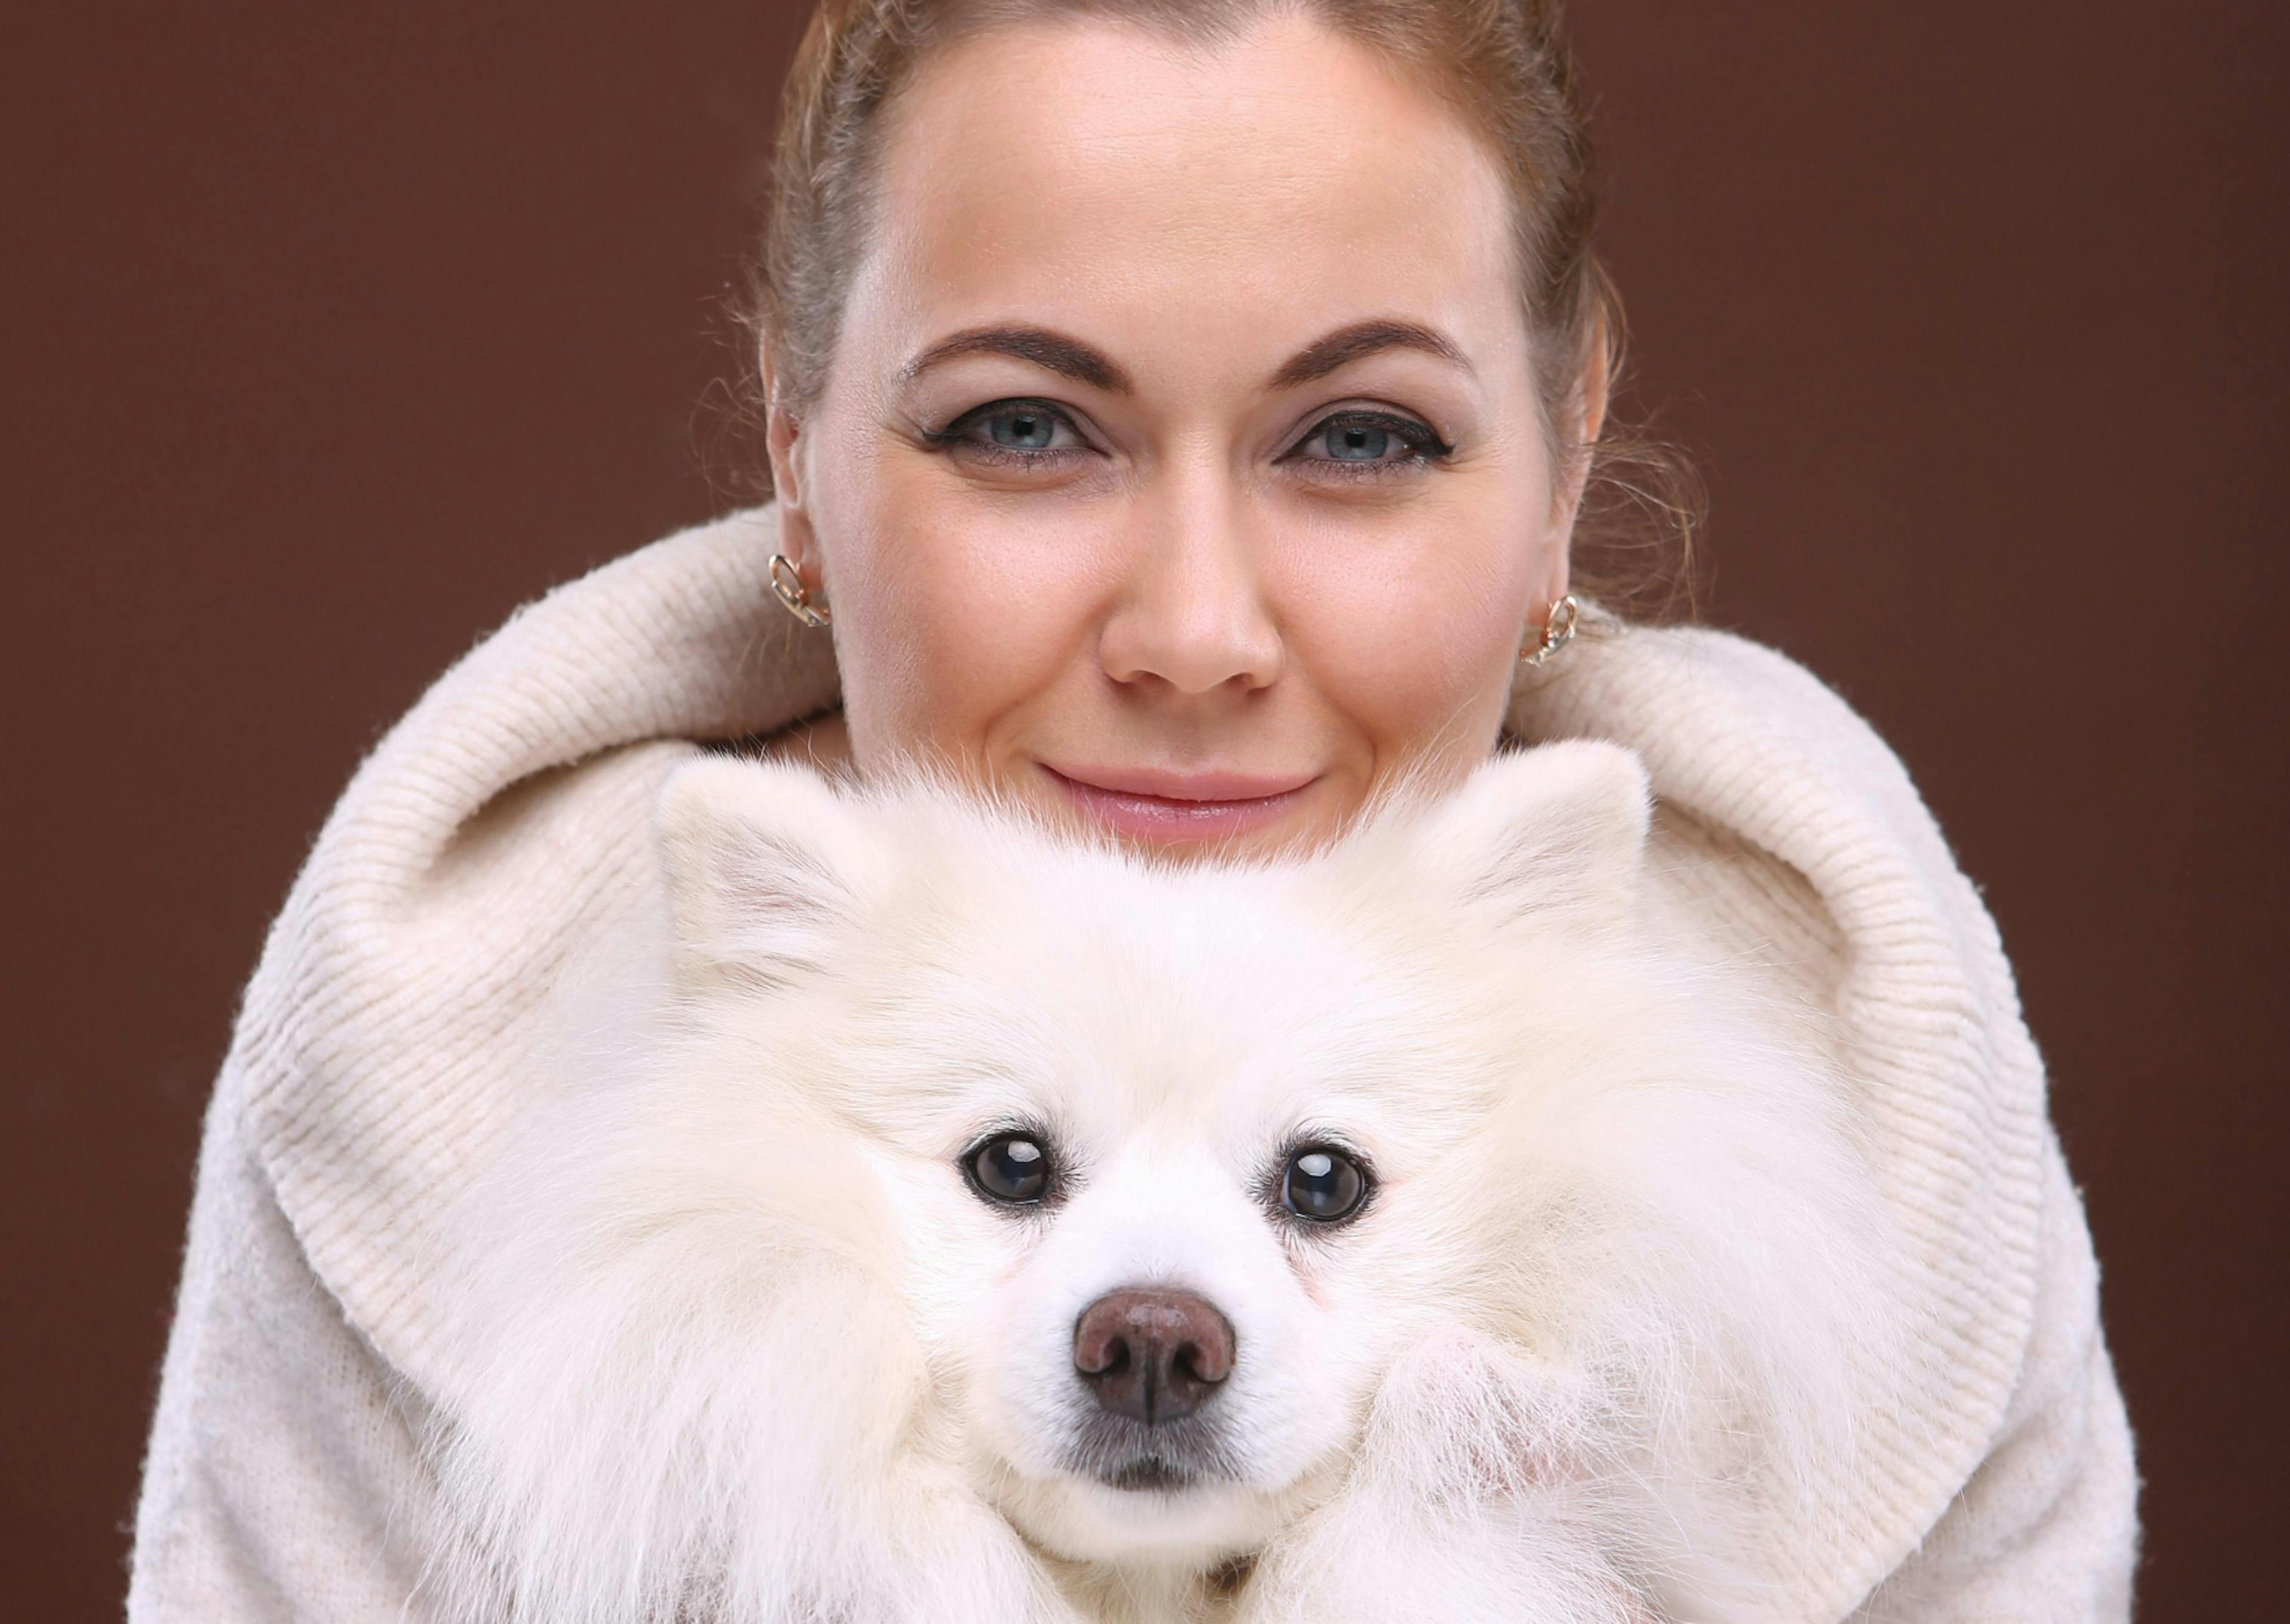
{"type": "Point", "coordinates": [1180, 468]}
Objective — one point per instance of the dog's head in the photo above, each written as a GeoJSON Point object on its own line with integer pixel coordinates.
{"type": "Point", "coordinates": [1163, 1166]}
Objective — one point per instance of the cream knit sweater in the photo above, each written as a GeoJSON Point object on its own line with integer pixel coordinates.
{"type": "Point", "coordinates": [501, 833]}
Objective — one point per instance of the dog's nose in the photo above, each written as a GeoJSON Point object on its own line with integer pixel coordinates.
{"type": "Point", "coordinates": [1152, 1355]}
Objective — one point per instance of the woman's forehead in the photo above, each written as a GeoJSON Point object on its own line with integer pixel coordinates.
{"type": "Point", "coordinates": [1097, 177]}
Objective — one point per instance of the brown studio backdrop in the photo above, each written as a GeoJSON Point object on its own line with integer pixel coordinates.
{"type": "Point", "coordinates": [332, 334]}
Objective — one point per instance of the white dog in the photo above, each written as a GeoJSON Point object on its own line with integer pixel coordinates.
{"type": "Point", "coordinates": [1011, 1229]}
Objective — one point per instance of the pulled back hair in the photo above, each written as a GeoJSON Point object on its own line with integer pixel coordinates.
{"type": "Point", "coordinates": [1502, 65]}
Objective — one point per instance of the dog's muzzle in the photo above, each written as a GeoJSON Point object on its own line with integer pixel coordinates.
{"type": "Point", "coordinates": [1154, 1360]}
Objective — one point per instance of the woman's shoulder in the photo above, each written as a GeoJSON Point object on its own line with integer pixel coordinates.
{"type": "Point", "coordinates": [1770, 786]}
{"type": "Point", "coordinates": [1777, 803]}
{"type": "Point", "coordinates": [1739, 730]}
{"type": "Point", "coordinates": [1788, 835]}
{"type": "Point", "coordinates": [493, 839]}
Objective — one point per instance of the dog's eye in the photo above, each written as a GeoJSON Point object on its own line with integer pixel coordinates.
{"type": "Point", "coordinates": [1322, 1185]}
{"type": "Point", "coordinates": [1012, 1168]}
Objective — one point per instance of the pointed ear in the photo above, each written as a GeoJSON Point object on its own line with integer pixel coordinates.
{"type": "Point", "coordinates": [1558, 829]}
{"type": "Point", "coordinates": [768, 866]}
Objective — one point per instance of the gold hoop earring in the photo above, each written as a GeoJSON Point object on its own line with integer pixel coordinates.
{"type": "Point", "coordinates": [1558, 631]}
{"type": "Point", "coordinates": [786, 586]}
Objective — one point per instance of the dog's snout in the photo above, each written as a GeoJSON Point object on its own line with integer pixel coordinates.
{"type": "Point", "coordinates": [1152, 1355]}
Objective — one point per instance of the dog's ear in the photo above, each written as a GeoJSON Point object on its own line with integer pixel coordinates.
{"type": "Point", "coordinates": [768, 867]}
{"type": "Point", "coordinates": [1557, 830]}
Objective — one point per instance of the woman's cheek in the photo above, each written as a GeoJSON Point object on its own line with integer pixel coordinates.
{"type": "Point", "coordinates": [1414, 636]}
{"type": "Point", "coordinates": [959, 616]}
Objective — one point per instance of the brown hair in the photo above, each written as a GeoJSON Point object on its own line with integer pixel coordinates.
{"type": "Point", "coordinates": [1503, 64]}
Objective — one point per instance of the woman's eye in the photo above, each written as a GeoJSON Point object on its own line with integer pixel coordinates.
{"type": "Point", "coordinates": [1322, 1185]}
{"type": "Point", "coordinates": [1013, 1169]}
{"type": "Point", "coordinates": [1354, 441]}
{"type": "Point", "coordinates": [1024, 431]}
{"type": "Point", "coordinates": [1020, 429]}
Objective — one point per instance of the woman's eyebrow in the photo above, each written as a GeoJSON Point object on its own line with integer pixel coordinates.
{"type": "Point", "coordinates": [1347, 344]}
{"type": "Point", "coordinates": [1067, 357]}
{"type": "Point", "coordinates": [1071, 358]}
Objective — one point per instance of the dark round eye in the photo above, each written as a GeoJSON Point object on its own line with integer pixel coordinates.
{"type": "Point", "coordinates": [1011, 1168]}
{"type": "Point", "coordinates": [1322, 1185]}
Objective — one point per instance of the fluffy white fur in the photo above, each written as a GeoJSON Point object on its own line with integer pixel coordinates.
{"type": "Point", "coordinates": [751, 1348]}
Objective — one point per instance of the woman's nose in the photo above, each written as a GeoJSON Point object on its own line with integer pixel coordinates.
{"type": "Point", "coordinates": [1192, 616]}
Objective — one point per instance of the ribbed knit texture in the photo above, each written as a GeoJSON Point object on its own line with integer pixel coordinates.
{"type": "Point", "coordinates": [503, 829]}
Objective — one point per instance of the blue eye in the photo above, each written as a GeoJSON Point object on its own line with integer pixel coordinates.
{"type": "Point", "coordinates": [1022, 428]}
{"type": "Point", "coordinates": [1017, 431]}
{"type": "Point", "coordinates": [1357, 441]}
{"type": "Point", "coordinates": [1360, 440]}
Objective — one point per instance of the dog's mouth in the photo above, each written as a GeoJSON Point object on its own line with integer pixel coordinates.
{"type": "Point", "coordinates": [1165, 1459]}
{"type": "Point", "coordinates": [1179, 1492]}
{"type": "Point", "coordinates": [1146, 1474]}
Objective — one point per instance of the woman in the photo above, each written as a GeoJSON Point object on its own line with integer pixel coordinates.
{"type": "Point", "coordinates": [1179, 412]}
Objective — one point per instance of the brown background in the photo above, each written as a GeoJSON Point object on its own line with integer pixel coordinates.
{"type": "Point", "coordinates": [332, 332]}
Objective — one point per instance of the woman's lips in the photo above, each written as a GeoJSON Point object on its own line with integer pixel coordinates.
{"type": "Point", "coordinates": [1150, 804]}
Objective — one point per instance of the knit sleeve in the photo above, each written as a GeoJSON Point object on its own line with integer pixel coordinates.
{"type": "Point", "coordinates": [2046, 1529]}
{"type": "Point", "coordinates": [281, 1481]}
{"type": "Point", "coordinates": [1992, 1478]}
{"type": "Point", "coordinates": [495, 839]}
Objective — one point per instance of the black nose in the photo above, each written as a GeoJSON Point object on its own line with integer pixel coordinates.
{"type": "Point", "coordinates": [1152, 1356]}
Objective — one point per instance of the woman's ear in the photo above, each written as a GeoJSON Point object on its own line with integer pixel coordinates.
{"type": "Point", "coordinates": [784, 442]}
{"type": "Point", "coordinates": [1597, 383]}
{"type": "Point", "coordinates": [769, 869]}
{"type": "Point", "coordinates": [781, 431]}
{"type": "Point", "coordinates": [1585, 418]}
